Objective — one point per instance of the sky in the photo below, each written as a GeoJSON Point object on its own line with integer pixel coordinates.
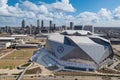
{"type": "Point", "coordinates": [103, 13]}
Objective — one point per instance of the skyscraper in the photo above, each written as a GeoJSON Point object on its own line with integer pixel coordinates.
{"type": "Point", "coordinates": [54, 26]}
{"type": "Point", "coordinates": [23, 23]}
{"type": "Point", "coordinates": [38, 26]}
{"type": "Point", "coordinates": [30, 29]}
{"type": "Point", "coordinates": [88, 28]}
{"type": "Point", "coordinates": [78, 27]}
{"type": "Point", "coordinates": [50, 23]}
{"type": "Point", "coordinates": [42, 23]}
{"type": "Point", "coordinates": [71, 25]}
{"type": "Point", "coordinates": [50, 26]}
{"type": "Point", "coordinates": [38, 23]}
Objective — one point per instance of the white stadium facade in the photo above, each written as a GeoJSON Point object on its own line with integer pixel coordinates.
{"type": "Point", "coordinates": [74, 50]}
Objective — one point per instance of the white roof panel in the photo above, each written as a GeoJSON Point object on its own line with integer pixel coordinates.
{"type": "Point", "coordinates": [81, 39]}
{"type": "Point", "coordinates": [56, 38]}
{"type": "Point", "coordinates": [94, 50]}
{"type": "Point", "coordinates": [82, 32]}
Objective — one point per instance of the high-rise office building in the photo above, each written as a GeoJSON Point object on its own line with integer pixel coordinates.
{"type": "Point", "coordinates": [23, 23]}
{"type": "Point", "coordinates": [42, 23]}
{"type": "Point", "coordinates": [38, 23]}
{"type": "Point", "coordinates": [38, 26]}
{"type": "Point", "coordinates": [6, 29]}
{"type": "Point", "coordinates": [54, 25]}
{"type": "Point", "coordinates": [88, 28]}
{"type": "Point", "coordinates": [78, 27]}
{"type": "Point", "coordinates": [30, 28]}
{"type": "Point", "coordinates": [71, 25]}
{"type": "Point", "coordinates": [50, 26]}
{"type": "Point", "coordinates": [50, 23]}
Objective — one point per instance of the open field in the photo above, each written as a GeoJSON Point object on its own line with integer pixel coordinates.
{"type": "Point", "coordinates": [38, 40]}
{"type": "Point", "coordinates": [16, 58]}
{"type": "Point", "coordinates": [4, 64]}
{"type": "Point", "coordinates": [22, 54]}
{"type": "Point", "coordinates": [3, 51]}
{"type": "Point", "coordinates": [116, 49]}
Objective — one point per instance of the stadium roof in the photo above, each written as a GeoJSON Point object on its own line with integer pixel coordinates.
{"type": "Point", "coordinates": [73, 32]}
{"type": "Point", "coordinates": [95, 50]}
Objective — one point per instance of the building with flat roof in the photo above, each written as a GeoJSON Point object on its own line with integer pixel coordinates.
{"type": "Point", "coordinates": [8, 39]}
{"type": "Point", "coordinates": [75, 50]}
{"type": "Point", "coordinates": [88, 28]}
{"type": "Point", "coordinates": [78, 27]}
{"type": "Point", "coordinates": [19, 46]}
{"type": "Point", "coordinates": [21, 36]}
{"type": "Point", "coordinates": [6, 42]}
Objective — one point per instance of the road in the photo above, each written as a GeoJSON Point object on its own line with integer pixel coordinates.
{"type": "Point", "coordinates": [22, 74]}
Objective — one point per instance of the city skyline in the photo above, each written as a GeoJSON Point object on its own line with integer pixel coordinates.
{"type": "Point", "coordinates": [61, 12]}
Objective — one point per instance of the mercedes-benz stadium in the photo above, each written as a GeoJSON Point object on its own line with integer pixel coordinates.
{"type": "Point", "coordinates": [74, 50]}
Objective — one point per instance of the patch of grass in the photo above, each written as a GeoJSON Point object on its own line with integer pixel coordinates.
{"type": "Point", "coordinates": [118, 67]}
{"type": "Point", "coordinates": [3, 51]}
{"type": "Point", "coordinates": [16, 58]}
{"type": "Point", "coordinates": [38, 40]}
{"type": "Point", "coordinates": [33, 71]}
{"type": "Point", "coordinates": [20, 54]}
{"type": "Point", "coordinates": [25, 65]}
{"type": "Point", "coordinates": [4, 64]}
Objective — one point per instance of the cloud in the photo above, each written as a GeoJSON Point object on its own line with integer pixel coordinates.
{"type": "Point", "coordinates": [29, 6]}
{"type": "Point", "coordinates": [3, 6]}
{"type": "Point", "coordinates": [23, 9]}
{"type": "Point", "coordinates": [105, 14]}
{"type": "Point", "coordinates": [27, 9]}
{"type": "Point", "coordinates": [43, 17]}
{"type": "Point", "coordinates": [88, 17]}
{"type": "Point", "coordinates": [3, 3]}
{"type": "Point", "coordinates": [6, 10]}
{"type": "Point", "coordinates": [69, 17]}
{"type": "Point", "coordinates": [58, 15]}
{"type": "Point", "coordinates": [117, 13]}
{"type": "Point", "coordinates": [63, 6]}
{"type": "Point", "coordinates": [43, 9]}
